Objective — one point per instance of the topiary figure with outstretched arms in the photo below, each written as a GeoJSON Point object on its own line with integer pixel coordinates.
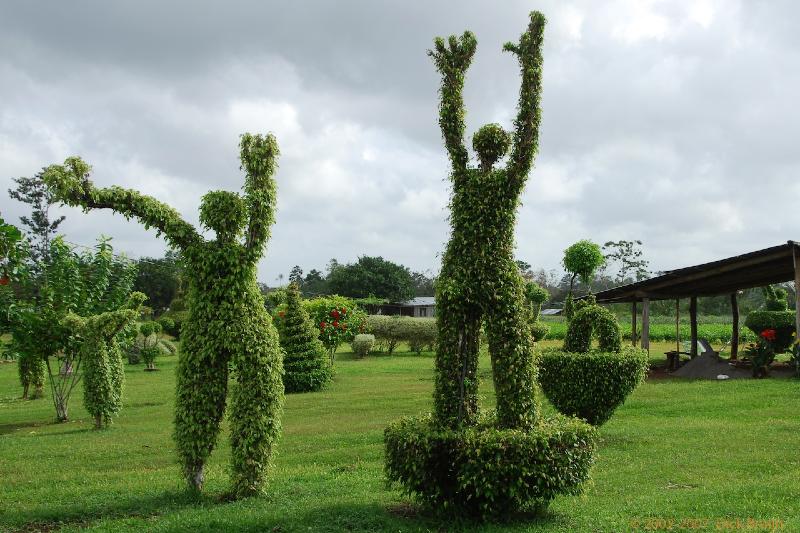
{"type": "Point", "coordinates": [227, 323]}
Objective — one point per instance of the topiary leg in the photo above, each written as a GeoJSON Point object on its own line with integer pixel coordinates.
{"type": "Point", "coordinates": [202, 384]}
{"type": "Point", "coordinates": [511, 350]}
{"type": "Point", "coordinates": [455, 394]}
{"type": "Point", "coordinates": [256, 407]}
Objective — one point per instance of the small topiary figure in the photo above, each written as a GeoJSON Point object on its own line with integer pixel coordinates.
{"type": "Point", "coordinates": [103, 372]}
{"type": "Point", "coordinates": [227, 324]}
{"type": "Point", "coordinates": [305, 362]}
{"type": "Point", "coordinates": [774, 316]}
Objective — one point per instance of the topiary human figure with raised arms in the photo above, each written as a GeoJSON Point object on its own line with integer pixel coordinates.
{"type": "Point", "coordinates": [458, 460]}
{"type": "Point", "coordinates": [480, 280]}
{"type": "Point", "coordinates": [227, 320]}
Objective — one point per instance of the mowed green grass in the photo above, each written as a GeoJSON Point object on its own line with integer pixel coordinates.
{"type": "Point", "coordinates": [691, 455]}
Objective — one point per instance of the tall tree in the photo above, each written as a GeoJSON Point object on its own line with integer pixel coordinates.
{"type": "Point", "coordinates": [159, 279]}
{"type": "Point", "coordinates": [40, 228]}
{"type": "Point", "coordinates": [372, 276]}
{"type": "Point", "coordinates": [314, 284]}
{"type": "Point", "coordinates": [296, 275]}
{"type": "Point", "coordinates": [628, 256]}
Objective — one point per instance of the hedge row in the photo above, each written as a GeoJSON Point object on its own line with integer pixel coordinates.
{"type": "Point", "coordinates": [389, 331]}
{"type": "Point", "coordinates": [666, 332]}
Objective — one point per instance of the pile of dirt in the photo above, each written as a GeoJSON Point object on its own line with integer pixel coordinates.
{"type": "Point", "coordinates": [709, 366]}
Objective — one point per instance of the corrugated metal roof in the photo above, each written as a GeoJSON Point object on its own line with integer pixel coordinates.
{"type": "Point", "coordinates": [421, 300]}
{"type": "Point", "coordinates": [726, 276]}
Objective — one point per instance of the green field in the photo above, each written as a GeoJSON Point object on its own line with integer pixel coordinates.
{"type": "Point", "coordinates": [693, 454]}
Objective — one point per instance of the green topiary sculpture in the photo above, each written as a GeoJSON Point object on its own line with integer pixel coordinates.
{"type": "Point", "coordinates": [103, 371]}
{"type": "Point", "coordinates": [458, 459]}
{"type": "Point", "coordinates": [587, 383]}
{"type": "Point", "coordinates": [306, 363]}
{"type": "Point", "coordinates": [226, 323]}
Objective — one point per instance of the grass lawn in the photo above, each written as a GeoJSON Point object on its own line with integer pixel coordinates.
{"type": "Point", "coordinates": [691, 455]}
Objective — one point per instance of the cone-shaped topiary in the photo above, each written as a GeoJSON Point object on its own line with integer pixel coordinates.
{"type": "Point", "coordinates": [305, 362]}
{"type": "Point", "coordinates": [227, 325]}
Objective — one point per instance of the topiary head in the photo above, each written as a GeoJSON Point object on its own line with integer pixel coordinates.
{"type": "Point", "coordinates": [490, 142]}
{"type": "Point", "coordinates": [224, 212]}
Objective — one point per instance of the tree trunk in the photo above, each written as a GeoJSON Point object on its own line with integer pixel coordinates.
{"type": "Point", "coordinates": [61, 410]}
{"type": "Point", "coordinates": [98, 421]}
{"type": "Point", "coordinates": [196, 478]}
{"type": "Point", "coordinates": [25, 391]}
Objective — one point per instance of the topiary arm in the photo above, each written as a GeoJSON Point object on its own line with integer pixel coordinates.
{"type": "Point", "coordinates": [526, 125]}
{"type": "Point", "coordinates": [259, 156]}
{"type": "Point", "coordinates": [452, 59]}
{"type": "Point", "coordinates": [71, 184]}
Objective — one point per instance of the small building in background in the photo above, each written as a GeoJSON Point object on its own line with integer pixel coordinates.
{"type": "Point", "coordinates": [551, 312]}
{"type": "Point", "coordinates": [419, 307]}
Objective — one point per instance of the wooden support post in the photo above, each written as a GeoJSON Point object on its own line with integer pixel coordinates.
{"type": "Point", "coordinates": [633, 323]}
{"type": "Point", "coordinates": [735, 332]}
{"type": "Point", "coordinates": [693, 320]}
{"type": "Point", "coordinates": [796, 257]}
{"type": "Point", "coordinates": [678, 329]}
{"type": "Point", "coordinates": [646, 324]}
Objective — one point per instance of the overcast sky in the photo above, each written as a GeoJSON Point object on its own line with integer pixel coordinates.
{"type": "Point", "coordinates": [675, 123]}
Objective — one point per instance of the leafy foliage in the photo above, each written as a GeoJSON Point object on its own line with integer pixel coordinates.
{"type": "Point", "coordinates": [159, 279]}
{"type": "Point", "coordinates": [486, 471]}
{"type": "Point", "coordinates": [539, 331]}
{"type": "Point", "coordinates": [305, 362]}
{"type": "Point", "coordinates": [227, 324]}
{"type": "Point", "coordinates": [362, 344]}
{"type": "Point", "coordinates": [372, 276]}
{"type": "Point", "coordinates": [593, 384]}
{"type": "Point", "coordinates": [629, 257]}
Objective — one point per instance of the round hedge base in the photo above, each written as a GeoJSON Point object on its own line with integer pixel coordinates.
{"type": "Point", "coordinates": [591, 385]}
{"type": "Point", "coordinates": [484, 471]}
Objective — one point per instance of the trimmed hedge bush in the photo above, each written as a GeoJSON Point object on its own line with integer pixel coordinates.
{"type": "Point", "coordinates": [783, 322]}
{"type": "Point", "coordinates": [591, 385]}
{"type": "Point", "coordinates": [362, 344]}
{"type": "Point", "coordinates": [389, 331]}
{"type": "Point", "coordinates": [485, 471]}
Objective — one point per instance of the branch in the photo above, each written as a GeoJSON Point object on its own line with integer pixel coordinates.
{"type": "Point", "coordinates": [452, 60]}
{"type": "Point", "coordinates": [258, 155]}
{"type": "Point", "coordinates": [71, 185]}
{"type": "Point", "coordinates": [526, 125]}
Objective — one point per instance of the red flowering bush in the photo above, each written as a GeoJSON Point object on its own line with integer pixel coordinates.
{"type": "Point", "coordinates": [762, 353]}
{"type": "Point", "coordinates": [769, 335]}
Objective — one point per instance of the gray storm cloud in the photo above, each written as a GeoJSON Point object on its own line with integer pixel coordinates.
{"type": "Point", "coordinates": [670, 122]}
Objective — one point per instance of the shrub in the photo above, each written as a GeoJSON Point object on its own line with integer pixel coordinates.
{"type": "Point", "coordinates": [362, 344]}
{"type": "Point", "coordinates": [338, 320]}
{"type": "Point", "coordinates": [539, 331]}
{"type": "Point", "coordinates": [172, 322]}
{"type": "Point", "coordinates": [389, 331]}
{"type": "Point", "coordinates": [591, 385]}
{"type": "Point", "coordinates": [486, 471]}
{"type": "Point", "coordinates": [589, 321]}
{"type": "Point", "coordinates": [783, 322]}
{"type": "Point", "coordinates": [306, 365]}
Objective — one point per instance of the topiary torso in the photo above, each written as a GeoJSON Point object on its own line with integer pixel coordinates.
{"type": "Point", "coordinates": [227, 324]}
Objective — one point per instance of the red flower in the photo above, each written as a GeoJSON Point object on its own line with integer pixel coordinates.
{"type": "Point", "coordinates": [323, 325]}
{"type": "Point", "coordinates": [4, 280]}
{"type": "Point", "coordinates": [336, 323]}
{"type": "Point", "coordinates": [335, 314]}
{"type": "Point", "coordinates": [344, 310]}
{"type": "Point", "coordinates": [769, 334]}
